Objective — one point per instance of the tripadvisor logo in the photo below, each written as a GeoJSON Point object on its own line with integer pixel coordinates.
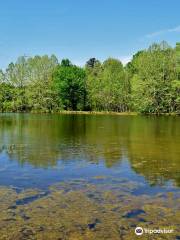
{"type": "Point", "coordinates": [138, 231]}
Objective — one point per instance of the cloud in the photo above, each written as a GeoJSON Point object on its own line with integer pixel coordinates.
{"type": "Point", "coordinates": [176, 29]}
{"type": "Point", "coordinates": [158, 33]}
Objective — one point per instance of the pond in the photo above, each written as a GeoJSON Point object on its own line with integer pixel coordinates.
{"type": "Point", "coordinates": [88, 176]}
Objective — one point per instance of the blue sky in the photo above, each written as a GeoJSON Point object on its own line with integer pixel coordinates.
{"type": "Point", "coordinates": [82, 29]}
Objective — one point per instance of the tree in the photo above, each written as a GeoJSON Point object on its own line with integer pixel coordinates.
{"type": "Point", "coordinates": [94, 85]}
{"type": "Point", "coordinates": [176, 83]}
{"type": "Point", "coordinates": [41, 95]}
{"type": "Point", "coordinates": [177, 49]}
{"type": "Point", "coordinates": [91, 63]}
{"type": "Point", "coordinates": [151, 83]}
{"type": "Point", "coordinates": [6, 97]}
{"type": "Point", "coordinates": [116, 86]}
{"type": "Point", "coordinates": [107, 85]}
{"type": "Point", "coordinates": [15, 75]}
{"type": "Point", "coordinates": [69, 82]}
{"type": "Point", "coordinates": [31, 79]}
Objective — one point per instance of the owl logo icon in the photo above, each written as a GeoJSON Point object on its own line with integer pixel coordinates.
{"type": "Point", "coordinates": [139, 231]}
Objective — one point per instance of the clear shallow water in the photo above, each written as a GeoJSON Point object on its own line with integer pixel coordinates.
{"type": "Point", "coordinates": [40, 150]}
{"type": "Point", "coordinates": [88, 177]}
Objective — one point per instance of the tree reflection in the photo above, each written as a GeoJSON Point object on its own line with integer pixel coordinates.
{"type": "Point", "coordinates": [150, 143]}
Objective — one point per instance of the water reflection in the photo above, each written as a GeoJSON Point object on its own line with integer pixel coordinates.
{"type": "Point", "coordinates": [151, 144]}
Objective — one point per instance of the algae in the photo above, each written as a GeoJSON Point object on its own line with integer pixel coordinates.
{"type": "Point", "coordinates": [89, 212]}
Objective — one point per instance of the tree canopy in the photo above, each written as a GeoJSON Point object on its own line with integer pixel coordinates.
{"type": "Point", "coordinates": [149, 83]}
{"type": "Point", "coordinates": [69, 82]}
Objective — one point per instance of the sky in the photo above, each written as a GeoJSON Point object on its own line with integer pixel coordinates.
{"type": "Point", "coordinates": [81, 29]}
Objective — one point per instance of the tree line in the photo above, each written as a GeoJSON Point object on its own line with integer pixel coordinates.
{"type": "Point", "coordinates": [149, 83]}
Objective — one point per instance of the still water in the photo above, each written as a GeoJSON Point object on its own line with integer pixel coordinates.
{"type": "Point", "coordinates": [134, 158]}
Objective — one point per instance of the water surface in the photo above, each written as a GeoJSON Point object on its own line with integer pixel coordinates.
{"type": "Point", "coordinates": [43, 149]}
{"type": "Point", "coordinates": [135, 158]}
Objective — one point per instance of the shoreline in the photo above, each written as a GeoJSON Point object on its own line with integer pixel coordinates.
{"type": "Point", "coordinates": [95, 113]}
{"type": "Point", "coordinates": [98, 113]}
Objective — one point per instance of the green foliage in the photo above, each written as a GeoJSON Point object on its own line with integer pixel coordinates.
{"type": "Point", "coordinates": [91, 62]}
{"type": "Point", "coordinates": [6, 97]}
{"type": "Point", "coordinates": [41, 96]}
{"type": "Point", "coordinates": [29, 82]}
{"type": "Point", "coordinates": [94, 86]}
{"type": "Point", "coordinates": [107, 85]}
{"type": "Point", "coordinates": [178, 59]}
{"type": "Point", "coordinates": [150, 83]}
{"type": "Point", "coordinates": [154, 73]}
{"type": "Point", "coordinates": [69, 81]}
